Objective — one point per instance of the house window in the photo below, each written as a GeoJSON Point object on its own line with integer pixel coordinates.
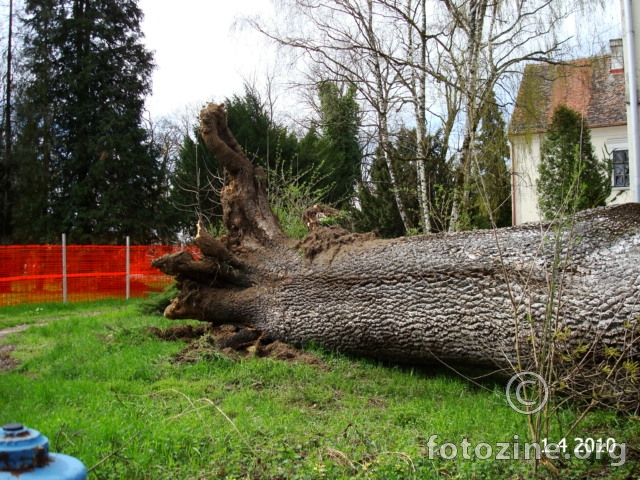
{"type": "Point", "coordinates": [620, 168]}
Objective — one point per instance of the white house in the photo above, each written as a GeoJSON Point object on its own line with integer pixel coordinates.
{"type": "Point", "coordinates": [592, 86]}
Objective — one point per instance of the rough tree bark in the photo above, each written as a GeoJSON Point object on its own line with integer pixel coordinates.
{"type": "Point", "coordinates": [468, 297]}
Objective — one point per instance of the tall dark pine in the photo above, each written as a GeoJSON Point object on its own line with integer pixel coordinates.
{"type": "Point", "coordinates": [89, 75]}
{"type": "Point", "coordinates": [378, 210]}
{"type": "Point", "coordinates": [6, 158]}
{"type": "Point", "coordinates": [340, 124]}
{"type": "Point", "coordinates": [32, 218]}
{"type": "Point", "coordinates": [266, 142]}
{"type": "Point", "coordinates": [377, 207]}
{"type": "Point", "coordinates": [491, 185]}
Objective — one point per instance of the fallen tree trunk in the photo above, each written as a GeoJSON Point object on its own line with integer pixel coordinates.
{"type": "Point", "coordinates": [474, 298]}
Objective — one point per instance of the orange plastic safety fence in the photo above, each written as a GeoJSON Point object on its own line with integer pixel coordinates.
{"type": "Point", "coordinates": [34, 273]}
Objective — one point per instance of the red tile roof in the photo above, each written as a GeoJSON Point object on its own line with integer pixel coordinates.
{"type": "Point", "coordinates": [586, 85]}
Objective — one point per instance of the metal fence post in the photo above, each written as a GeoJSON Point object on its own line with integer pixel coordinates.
{"type": "Point", "coordinates": [128, 268]}
{"type": "Point", "coordinates": [65, 298]}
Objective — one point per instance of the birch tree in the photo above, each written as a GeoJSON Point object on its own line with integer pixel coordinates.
{"type": "Point", "coordinates": [349, 42]}
{"type": "Point", "coordinates": [399, 51]}
{"type": "Point", "coordinates": [488, 40]}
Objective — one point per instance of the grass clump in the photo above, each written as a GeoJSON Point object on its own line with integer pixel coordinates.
{"type": "Point", "coordinates": [105, 389]}
{"type": "Point", "coordinates": [156, 302]}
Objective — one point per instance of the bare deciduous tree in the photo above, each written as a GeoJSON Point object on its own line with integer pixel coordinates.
{"type": "Point", "coordinates": [486, 41]}
{"type": "Point", "coordinates": [397, 51]}
{"type": "Point", "coordinates": [345, 44]}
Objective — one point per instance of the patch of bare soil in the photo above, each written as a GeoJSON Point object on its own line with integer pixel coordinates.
{"type": "Point", "coordinates": [206, 341]}
{"type": "Point", "coordinates": [6, 361]}
{"type": "Point", "coordinates": [18, 328]}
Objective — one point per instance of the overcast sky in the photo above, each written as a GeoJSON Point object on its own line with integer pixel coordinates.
{"type": "Point", "coordinates": [199, 55]}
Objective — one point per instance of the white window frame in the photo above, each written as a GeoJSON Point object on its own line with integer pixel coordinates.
{"type": "Point", "coordinates": [612, 145]}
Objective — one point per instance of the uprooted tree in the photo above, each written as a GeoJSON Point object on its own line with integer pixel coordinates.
{"type": "Point", "coordinates": [477, 298]}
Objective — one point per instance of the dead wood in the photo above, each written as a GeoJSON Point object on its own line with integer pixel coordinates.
{"type": "Point", "coordinates": [473, 298]}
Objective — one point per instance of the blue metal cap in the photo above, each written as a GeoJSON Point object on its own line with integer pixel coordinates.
{"type": "Point", "coordinates": [22, 448]}
{"type": "Point", "coordinates": [24, 454]}
{"type": "Point", "coordinates": [59, 467]}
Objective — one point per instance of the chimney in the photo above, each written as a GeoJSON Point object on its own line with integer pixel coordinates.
{"type": "Point", "coordinates": [617, 58]}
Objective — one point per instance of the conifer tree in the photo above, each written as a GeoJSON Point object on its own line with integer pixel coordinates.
{"type": "Point", "coordinates": [491, 200]}
{"type": "Point", "coordinates": [571, 176]}
{"type": "Point", "coordinates": [33, 220]}
{"type": "Point", "coordinates": [339, 146]}
{"type": "Point", "coordinates": [378, 210]}
{"type": "Point", "coordinates": [262, 138]}
{"type": "Point", "coordinates": [329, 150]}
{"type": "Point", "coordinates": [88, 75]}
{"type": "Point", "coordinates": [7, 178]}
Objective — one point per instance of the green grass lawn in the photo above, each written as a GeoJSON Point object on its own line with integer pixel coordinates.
{"type": "Point", "coordinates": [103, 388]}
